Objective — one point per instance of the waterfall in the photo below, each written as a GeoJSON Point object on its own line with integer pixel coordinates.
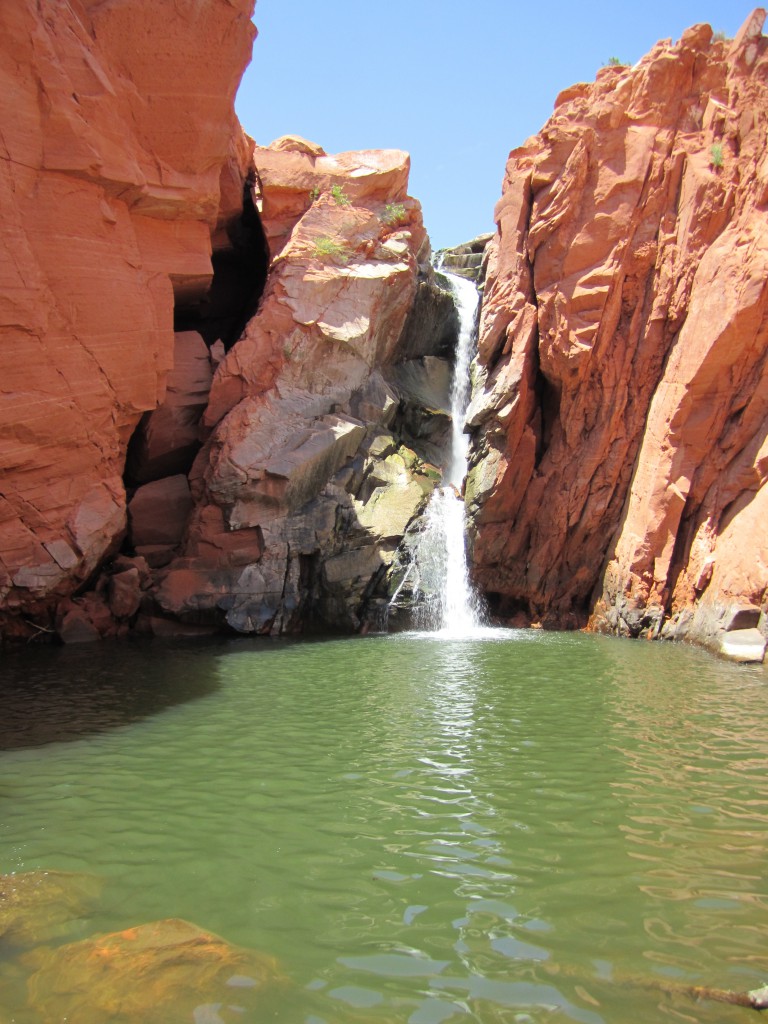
{"type": "Point", "coordinates": [446, 599]}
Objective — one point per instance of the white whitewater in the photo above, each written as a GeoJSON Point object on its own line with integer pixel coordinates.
{"type": "Point", "coordinates": [448, 601]}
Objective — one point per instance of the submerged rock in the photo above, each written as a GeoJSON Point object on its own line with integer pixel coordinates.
{"type": "Point", "coordinates": [155, 973]}
{"type": "Point", "coordinates": [40, 906]}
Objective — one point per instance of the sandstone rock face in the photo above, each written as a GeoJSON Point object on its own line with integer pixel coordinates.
{"type": "Point", "coordinates": [619, 454]}
{"type": "Point", "coordinates": [308, 479]}
{"type": "Point", "coordinates": [115, 148]}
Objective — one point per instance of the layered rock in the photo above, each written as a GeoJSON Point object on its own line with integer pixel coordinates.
{"type": "Point", "coordinates": [115, 148]}
{"type": "Point", "coordinates": [619, 454]}
{"type": "Point", "coordinates": [466, 260]}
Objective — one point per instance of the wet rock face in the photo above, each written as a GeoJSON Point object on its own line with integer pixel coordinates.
{"type": "Point", "coordinates": [468, 259]}
{"type": "Point", "coordinates": [619, 461]}
{"type": "Point", "coordinates": [115, 145]}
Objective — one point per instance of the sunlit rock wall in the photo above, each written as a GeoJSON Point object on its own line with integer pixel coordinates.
{"type": "Point", "coordinates": [619, 437]}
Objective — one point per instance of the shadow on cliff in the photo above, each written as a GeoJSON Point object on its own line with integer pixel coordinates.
{"type": "Point", "coordinates": [58, 694]}
{"type": "Point", "coordinates": [240, 270]}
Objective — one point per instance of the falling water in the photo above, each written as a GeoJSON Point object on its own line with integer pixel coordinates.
{"type": "Point", "coordinates": [448, 602]}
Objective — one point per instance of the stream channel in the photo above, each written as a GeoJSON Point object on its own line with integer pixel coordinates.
{"type": "Point", "coordinates": [519, 826]}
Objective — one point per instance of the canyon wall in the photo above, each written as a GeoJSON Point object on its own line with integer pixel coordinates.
{"type": "Point", "coordinates": [115, 147]}
{"type": "Point", "coordinates": [224, 369]}
{"type": "Point", "coordinates": [178, 450]}
{"type": "Point", "coordinates": [619, 451]}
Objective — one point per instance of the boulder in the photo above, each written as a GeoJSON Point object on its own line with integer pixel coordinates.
{"type": "Point", "coordinates": [168, 438]}
{"type": "Point", "coordinates": [85, 619]}
{"type": "Point", "coordinates": [158, 512]}
{"type": "Point", "coordinates": [743, 616]}
{"type": "Point", "coordinates": [293, 173]}
{"type": "Point", "coordinates": [296, 401]}
{"type": "Point", "coordinates": [389, 509]}
{"type": "Point", "coordinates": [75, 625]}
{"type": "Point", "coordinates": [744, 645]}
{"type": "Point", "coordinates": [153, 973]}
{"type": "Point", "coordinates": [124, 593]}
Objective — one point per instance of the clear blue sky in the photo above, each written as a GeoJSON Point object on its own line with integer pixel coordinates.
{"type": "Point", "coordinates": [456, 83]}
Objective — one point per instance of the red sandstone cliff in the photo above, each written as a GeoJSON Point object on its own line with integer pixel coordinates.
{"type": "Point", "coordinates": [619, 455]}
{"type": "Point", "coordinates": [619, 449]}
{"type": "Point", "coordinates": [132, 206]}
{"type": "Point", "coordinates": [114, 148]}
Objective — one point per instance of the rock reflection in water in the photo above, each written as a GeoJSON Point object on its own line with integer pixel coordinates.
{"type": "Point", "coordinates": [55, 694]}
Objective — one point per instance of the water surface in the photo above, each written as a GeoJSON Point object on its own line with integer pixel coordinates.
{"type": "Point", "coordinates": [523, 827]}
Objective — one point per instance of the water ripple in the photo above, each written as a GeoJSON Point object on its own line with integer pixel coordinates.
{"type": "Point", "coordinates": [505, 826]}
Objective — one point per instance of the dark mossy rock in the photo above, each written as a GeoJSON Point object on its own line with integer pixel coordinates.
{"type": "Point", "coordinates": [433, 323]}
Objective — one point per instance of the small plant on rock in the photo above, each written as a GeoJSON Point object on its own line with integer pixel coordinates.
{"type": "Point", "coordinates": [716, 154]}
{"type": "Point", "coordinates": [615, 62]}
{"type": "Point", "coordinates": [314, 194]}
{"type": "Point", "coordinates": [339, 196]}
{"type": "Point", "coordinates": [330, 247]}
{"type": "Point", "coordinates": [394, 213]}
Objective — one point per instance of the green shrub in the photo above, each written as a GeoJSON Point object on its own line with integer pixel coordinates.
{"type": "Point", "coordinates": [716, 154]}
{"type": "Point", "coordinates": [614, 62]}
{"type": "Point", "coordinates": [394, 213]}
{"type": "Point", "coordinates": [339, 196]}
{"type": "Point", "coordinates": [325, 246]}
{"type": "Point", "coordinates": [719, 37]}
{"type": "Point", "coordinates": [314, 194]}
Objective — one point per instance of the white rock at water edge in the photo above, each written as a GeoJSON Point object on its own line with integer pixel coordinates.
{"type": "Point", "coordinates": [744, 645]}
